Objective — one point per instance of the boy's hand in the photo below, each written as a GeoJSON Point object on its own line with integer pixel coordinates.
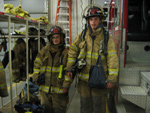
{"type": "Point", "coordinates": [69, 74]}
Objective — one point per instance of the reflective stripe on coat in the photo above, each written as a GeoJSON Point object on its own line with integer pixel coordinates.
{"type": "Point", "coordinates": [91, 55]}
{"type": "Point", "coordinates": [45, 64]}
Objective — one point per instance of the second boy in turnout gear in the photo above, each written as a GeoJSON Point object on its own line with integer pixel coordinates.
{"type": "Point", "coordinates": [51, 63]}
{"type": "Point", "coordinates": [93, 100]}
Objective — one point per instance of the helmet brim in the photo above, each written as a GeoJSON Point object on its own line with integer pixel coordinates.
{"type": "Point", "coordinates": [101, 17]}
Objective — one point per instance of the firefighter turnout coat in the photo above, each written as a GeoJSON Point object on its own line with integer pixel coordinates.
{"type": "Point", "coordinates": [19, 62]}
{"type": "Point", "coordinates": [53, 68]}
{"type": "Point", "coordinates": [89, 50]}
{"type": "Point", "coordinates": [3, 85]}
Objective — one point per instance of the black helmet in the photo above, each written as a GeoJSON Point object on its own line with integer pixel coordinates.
{"type": "Point", "coordinates": [32, 31]}
{"type": "Point", "coordinates": [42, 32]}
{"type": "Point", "coordinates": [94, 11]}
{"type": "Point", "coordinates": [55, 30]}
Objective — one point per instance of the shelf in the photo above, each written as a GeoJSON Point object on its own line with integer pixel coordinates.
{"type": "Point", "coordinates": [4, 17]}
{"type": "Point", "coordinates": [18, 20]}
{"type": "Point", "coordinates": [12, 19]}
{"type": "Point", "coordinates": [23, 36]}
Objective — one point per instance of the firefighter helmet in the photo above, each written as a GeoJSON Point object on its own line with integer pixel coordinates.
{"type": "Point", "coordinates": [42, 32]}
{"type": "Point", "coordinates": [55, 30]}
{"type": "Point", "coordinates": [20, 30]}
{"type": "Point", "coordinates": [94, 10]}
{"type": "Point", "coordinates": [32, 31]}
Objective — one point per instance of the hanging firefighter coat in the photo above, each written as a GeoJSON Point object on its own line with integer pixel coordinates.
{"type": "Point", "coordinates": [3, 85]}
{"type": "Point", "coordinates": [33, 51]}
{"type": "Point", "coordinates": [90, 54]}
{"type": "Point", "coordinates": [19, 62]}
{"type": "Point", "coordinates": [53, 67]}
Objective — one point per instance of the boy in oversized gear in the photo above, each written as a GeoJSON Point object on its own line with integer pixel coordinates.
{"type": "Point", "coordinates": [93, 100]}
{"type": "Point", "coordinates": [51, 64]}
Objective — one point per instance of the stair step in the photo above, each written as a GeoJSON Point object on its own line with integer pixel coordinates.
{"type": "Point", "coordinates": [134, 94]}
{"type": "Point", "coordinates": [128, 107]}
{"type": "Point", "coordinates": [145, 81]}
{"type": "Point", "coordinates": [63, 14]}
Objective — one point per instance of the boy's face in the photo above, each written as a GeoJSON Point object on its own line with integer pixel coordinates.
{"type": "Point", "coordinates": [94, 22]}
{"type": "Point", "coordinates": [56, 39]}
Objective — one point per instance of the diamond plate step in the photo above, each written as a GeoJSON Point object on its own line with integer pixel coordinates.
{"type": "Point", "coordinates": [145, 80]}
{"type": "Point", "coordinates": [134, 94]}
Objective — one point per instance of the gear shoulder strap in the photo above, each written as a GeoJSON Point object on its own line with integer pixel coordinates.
{"type": "Point", "coordinates": [106, 38]}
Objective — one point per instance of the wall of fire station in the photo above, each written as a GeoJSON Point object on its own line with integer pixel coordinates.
{"type": "Point", "coordinates": [76, 11]}
{"type": "Point", "coordinates": [37, 8]}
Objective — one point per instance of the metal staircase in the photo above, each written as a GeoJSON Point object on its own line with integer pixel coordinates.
{"type": "Point", "coordinates": [138, 95]}
{"type": "Point", "coordinates": [63, 18]}
{"type": "Point", "coordinates": [134, 94]}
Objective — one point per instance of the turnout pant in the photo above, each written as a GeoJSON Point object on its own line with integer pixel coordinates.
{"type": "Point", "coordinates": [92, 100]}
{"type": "Point", "coordinates": [54, 103]}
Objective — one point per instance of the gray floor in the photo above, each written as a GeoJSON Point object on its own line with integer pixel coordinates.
{"type": "Point", "coordinates": [74, 99]}
{"type": "Point", "coordinates": [74, 106]}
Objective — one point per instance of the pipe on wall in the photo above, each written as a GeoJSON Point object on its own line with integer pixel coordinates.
{"type": "Point", "coordinates": [77, 15]}
{"type": "Point", "coordinates": [49, 11]}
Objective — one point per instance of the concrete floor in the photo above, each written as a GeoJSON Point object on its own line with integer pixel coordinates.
{"type": "Point", "coordinates": [73, 105]}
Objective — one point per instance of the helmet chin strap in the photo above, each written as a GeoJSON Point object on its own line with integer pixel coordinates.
{"type": "Point", "coordinates": [100, 25]}
{"type": "Point", "coordinates": [62, 41]}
